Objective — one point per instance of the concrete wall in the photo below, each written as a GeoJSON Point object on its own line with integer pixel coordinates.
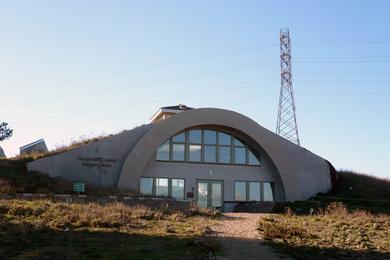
{"type": "Point", "coordinates": [119, 161]}
{"type": "Point", "coordinates": [97, 163]}
{"type": "Point", "coordinates": [227, 173]}
{"type": "Point", "coordinates": [302, 173]}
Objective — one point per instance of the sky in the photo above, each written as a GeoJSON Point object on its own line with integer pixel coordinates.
{"type": "Point", "coordinates": [76, 69]}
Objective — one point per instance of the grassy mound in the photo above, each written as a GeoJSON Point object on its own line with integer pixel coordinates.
{"type": "Point", "coordinates": [361, 186]}
{"type": "Point", "coordinates": [14, 178]}
{"type": "Point", "coordinates": [354, 190]}
{"type": "Point", "coordinates": [332, 233]}
{"type": "Point", "coordinates": [43, 229]}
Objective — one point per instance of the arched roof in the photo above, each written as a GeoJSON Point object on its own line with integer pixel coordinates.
{"type": "Point", "coordinates": [302, 173]}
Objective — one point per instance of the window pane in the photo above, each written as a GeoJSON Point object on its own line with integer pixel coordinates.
{"type": "Point", "coordinates": [224, 139]}
{"type": "Point", "coordinates": [252, 159]}
{"type": "Point", "coordinates": [237, 142]}
{"type": "Point", "coordinates": [268, 194]}
{"type": "Point", "coordinates": [195, 136]}
{"type": "Point", "coordinates": [162, 187]}
{"type": "Point", "coordinates": [178, 152]}
{"type": "Point", "coordinates": [224, 154]}
{"type": "Point", "coordinates": [146, 186]}
{"type": "Point", "coordinates": [202, 194]}
{"type": "Point", "coordinates": [254, 191]}
{"type": "Point", "coordinates": [239, 155]}
{"type": "Point", "coordinates": [195, 152]}
{"type": "Point", "coordinates": [240, 191]}
{"type": "Point", "coordinates": [210, 153]}
{"type": "Point", "coordinates": [210, 137]}
{"type": "Point", "coordinates": [180, 138]}
{"type": "Point", "coordinates": [178, 189]}
{"type": "Point", "coordinates": [163, 152]}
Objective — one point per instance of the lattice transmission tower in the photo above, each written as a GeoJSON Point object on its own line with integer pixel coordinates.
{"type": "Point", "coordinates": [287, 121]}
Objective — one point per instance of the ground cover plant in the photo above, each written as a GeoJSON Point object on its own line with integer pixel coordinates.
{"type": "Point", "coordinates": [333, 232]}
{"type": "Point", "coordinates": [354, 190]}
{"type": "Point", "coordinates": [44, 229]}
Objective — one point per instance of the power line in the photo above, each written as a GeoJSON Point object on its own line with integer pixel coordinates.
{"type": "Point", "coordinates": [205, 74]}
{"type": "Point", "coordinates": [155, 66]}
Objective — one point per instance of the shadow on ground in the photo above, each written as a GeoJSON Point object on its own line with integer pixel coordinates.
{"type": "Point", "coordinates": [23, 241]}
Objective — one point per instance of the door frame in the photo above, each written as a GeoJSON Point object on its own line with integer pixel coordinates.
{"type": "Point", "coordinates": [209, 191]}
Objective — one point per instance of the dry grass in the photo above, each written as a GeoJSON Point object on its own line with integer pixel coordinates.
{"type": "Point", "coordinates": [42, 225]}
{"type": "Point", "coordinates": [84, 140]}
{"type": "Point", "coordinates": [332, 232]}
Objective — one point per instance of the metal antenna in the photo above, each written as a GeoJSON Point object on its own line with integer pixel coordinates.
{"type": "Point", "coordinates": [287, 121]}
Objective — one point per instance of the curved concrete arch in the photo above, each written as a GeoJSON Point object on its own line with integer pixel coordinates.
{"type": "Point", "coordinates": [302, 173]}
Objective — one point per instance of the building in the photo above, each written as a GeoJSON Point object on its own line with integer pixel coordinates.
{"type": "Point", "coordinates": [216, 157]}
{"type": "Point", "coordinates": [2, 154]}
{"type": "Point", "coordinates": [38, 146]}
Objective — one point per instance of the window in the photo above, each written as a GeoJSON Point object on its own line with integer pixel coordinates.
{"type": "Point", "coordinates": [163, 152]}
{"type": "Point", "coordinates": [252, 160]}
{"type": "Point", "coordinates": [162, 187]}
{"type": "Point", "coordinates": [239, 155]}
{"type": "Point", "coordinates": [210, 137]}
{"type": "Point", "coordinates": [195, 147]}
{"type": "Point", "coordinates": [195, 136]}
{"type": "Point", "coordinates": [178, 147]}
{"type": "Point", "coordinates": [239, 152]}
{"type": "Point", "coordinates": [195, 153]}
{"type": "Point", "coordinates": [224, 154]}
{"type": "Point", "coordinates": [210, 153]}
{"type": "Point", "coordinates": [180, 138]}
{"type": "Point", "coordinates": [224, 139]}
{"type": "Point", "coordinates": [240, 190]}
{"type": "Point", "coordinates": [146, 186]}
{"type": "Point", "coordinates": [208, 146]}
{"type": "Point", "coordinates": [268, 194]}
{"type": "Point", "coordinates": [177, 189]}
{"type": "Point", "coordinates": [254, 191]}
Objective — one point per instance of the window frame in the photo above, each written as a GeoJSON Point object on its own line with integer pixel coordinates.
{"type": "Point", "coordinates": [154, 187]}
{"type": "Point", "coordinates": [247, 189]}
{"type": "Point", "coordinates": [232, 148]}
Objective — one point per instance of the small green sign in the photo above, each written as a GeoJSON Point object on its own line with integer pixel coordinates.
{"type": "Point", "coordinates": [79, 187]}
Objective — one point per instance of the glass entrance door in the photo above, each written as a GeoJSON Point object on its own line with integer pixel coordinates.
{"type": "Point", "coordinates": [209, 194]}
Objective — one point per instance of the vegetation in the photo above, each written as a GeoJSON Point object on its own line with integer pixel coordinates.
{"type": "Point", "coordinates": [334, 232]}
{"type": "Point", "coordinates": [354, 190]}
{"type": "Point", "coordinates": [42, 229]}
{"type": "Point", "coordinates": [351, 221]}
{"type": "Point", "coordinates": [5, 131]}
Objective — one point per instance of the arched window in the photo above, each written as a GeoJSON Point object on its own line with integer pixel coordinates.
{"type": "Point", "coordinates": [207, 146]}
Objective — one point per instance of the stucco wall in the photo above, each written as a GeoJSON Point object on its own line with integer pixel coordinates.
{"type": "Point", "coordinates": [227, 173]}
{"type": "Point", "coordinates": [97, 163]}
{"type": "Point", "coordinates": [302, 173]}
{"type": "Point", "coordinates": [119, 161]}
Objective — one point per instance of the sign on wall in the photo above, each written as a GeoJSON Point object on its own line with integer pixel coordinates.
{"type": "Point", "coordinates": [79, 187]}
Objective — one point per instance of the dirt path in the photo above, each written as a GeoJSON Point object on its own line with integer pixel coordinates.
{"type": "Point", "coordinates": [240, 239]}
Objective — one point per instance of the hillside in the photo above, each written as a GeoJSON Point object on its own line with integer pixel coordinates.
{"type": "Point", "coordinates": [354, 190]}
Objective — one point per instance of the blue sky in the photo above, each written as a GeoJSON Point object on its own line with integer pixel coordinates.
{"type": "Point", "coordinates": [83, 68]}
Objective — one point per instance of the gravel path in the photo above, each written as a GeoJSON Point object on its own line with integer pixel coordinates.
{"type": "Point", "coordinates": [240, 239]}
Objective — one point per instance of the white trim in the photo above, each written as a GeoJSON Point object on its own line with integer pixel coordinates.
{"type": "Point", "coordinates": [165, 110]}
